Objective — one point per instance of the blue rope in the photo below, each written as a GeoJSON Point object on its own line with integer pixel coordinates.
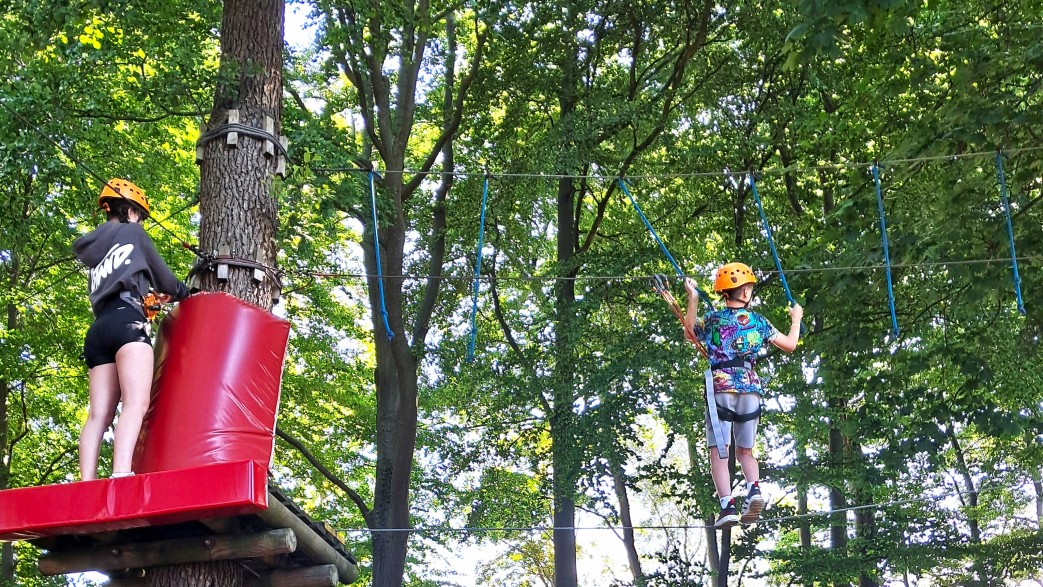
{"type": "Point", "coordinates": [477, 272]}
{"type": "Point", "coordinates": [771, 240]}
{"type": "Point", "coordinates": [887, 254]}
{"type": "Point", "coordinates": [376, 251]}
{"type": "Point", "coordinates": [1010, 230]}
{"type": "Point", "coordinates": [677, 268]}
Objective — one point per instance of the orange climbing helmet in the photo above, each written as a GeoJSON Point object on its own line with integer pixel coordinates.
{"type": "Point", "coordinates": [732, 275]}
{"type": "Point", "coordinates": [122, 189]}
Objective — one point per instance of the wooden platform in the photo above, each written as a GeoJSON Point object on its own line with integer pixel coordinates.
{"type": "Point", "coordinates": [223, 511]}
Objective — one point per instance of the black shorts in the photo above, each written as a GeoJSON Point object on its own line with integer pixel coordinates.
{"type": "Point", "coordinates": [117, 324]}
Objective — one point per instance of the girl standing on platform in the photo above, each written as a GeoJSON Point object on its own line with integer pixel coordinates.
{"type": "Point", "coordinates": [124, 265]}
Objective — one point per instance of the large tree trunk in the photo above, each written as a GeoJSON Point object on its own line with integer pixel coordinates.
{"type": "Point", "coordinates": [236, 202]}
{"type": "Point", "coordinates": [388, 105]}
{"type": "Point", "coordinates": [238, 209]}
{"type": "Point", "coordinates": [838, 521]}
{"type": "Point", "coordinates": [563, 448]}
{"type": "Point", "coordinates": [396, 382]}
{"type": "Point", "coordinates": [211, 574]}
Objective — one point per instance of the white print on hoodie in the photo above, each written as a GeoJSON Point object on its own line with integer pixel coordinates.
{"type": "Point", "coordinates": [117, 255]}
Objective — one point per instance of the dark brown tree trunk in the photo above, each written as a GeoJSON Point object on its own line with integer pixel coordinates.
{"type": "Point", "coordinates": [723, 568]}
{"type": "Point", "coordinates": [236, 203]}
{"type": "Point", "coordinates": [838, 521]}
{"type": "Point", "coordinates": [565, 461]}
{"type": "Point", "coordinates": [212, 574]}
{"type": "Point", "coordinates": [387, 104]}
{"type": "Point", "coordinates": [629, 543]}
{"type": "Point", "coordinates": [396, 382]}
{"type": "Point", "coordinates": [563, 446]}
{"type": "Point", "coordinates": [7, 549]}
{"type": "Point", "coordinates": [865, 528]}
{"type": "Point", "coordinates": [713, 554]}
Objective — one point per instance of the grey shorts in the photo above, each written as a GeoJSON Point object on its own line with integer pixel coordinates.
{"type": "Point", "coordinates": [745, 433]}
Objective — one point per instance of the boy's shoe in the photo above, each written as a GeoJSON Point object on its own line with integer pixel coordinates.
{"type": "Point", "coordinates": [727, 518]}
{"type": "Point", "coordinates": [752, 506]}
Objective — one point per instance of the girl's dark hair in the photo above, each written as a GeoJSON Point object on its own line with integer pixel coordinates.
{"type": "Point", "coordinates": [120, 209]}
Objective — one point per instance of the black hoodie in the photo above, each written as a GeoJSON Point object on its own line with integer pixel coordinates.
{"type": "Point", "coordinates": [122, 258]}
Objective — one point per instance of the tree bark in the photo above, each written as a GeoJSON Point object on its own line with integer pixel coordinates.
{"type": "Point", "coordinates": [396, 383]}
{"type": "Point", "coordinates": [211, 574]}
{"type": "Point", "coordinates": [865, 528]}
{"type": "Point", "coordinates": [236, 203]}
{"type": "Point", "coordinates": [562, 420]}
{"type": "Point", "coordinates": [971, 491]}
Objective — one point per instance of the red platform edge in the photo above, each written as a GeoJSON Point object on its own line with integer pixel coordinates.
{"type": "Point", "coordinates": [150, 499]}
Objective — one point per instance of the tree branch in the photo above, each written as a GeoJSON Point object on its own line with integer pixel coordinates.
{"type": "Point", "coordinates": [454, 123]}
{"type": "Point", "coordinates": [351, 493]}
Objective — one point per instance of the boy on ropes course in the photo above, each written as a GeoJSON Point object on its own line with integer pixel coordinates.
{"type": "Point", "coordinates": [124, 266]}
{"type": "Point", "coordinates": [732, 336]}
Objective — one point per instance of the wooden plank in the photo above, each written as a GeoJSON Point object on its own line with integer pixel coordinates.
{"type": "Point", "coordinates": [269, 127]}
{"type": "Point", "coordinates": [232, 138]}
{"type": "Point", "coordinates": [318, 576]}
{"type": "Point", "coordinates": [169, 552]}
{"type": "Point", "coordinates": [311, 544]}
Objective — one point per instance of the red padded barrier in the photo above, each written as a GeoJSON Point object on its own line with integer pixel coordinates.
{"type": "Point", "coordinates": [215, 395]}
{"type": "Point", "coordinates": [156, 499]}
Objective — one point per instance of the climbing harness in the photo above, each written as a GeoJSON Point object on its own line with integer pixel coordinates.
{"type": "Point", "coordinates": [661, 286]}
{"type": "Point", "coordinates": [477, 271]}
{"type": "Point", "coordinates": [150, 304]}
{"type": "Point", "coordinates": [887, 254]}
{"type": "Point", "coordinates": [1010, 230]}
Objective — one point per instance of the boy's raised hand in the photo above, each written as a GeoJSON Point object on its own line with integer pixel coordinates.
{"type": "Point", "coordinates": [796, 313]}
{"type": "Point", "coordinates": [690, 287]}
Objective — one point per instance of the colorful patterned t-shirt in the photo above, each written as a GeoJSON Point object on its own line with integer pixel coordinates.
{"type": "Point", "coordinates": [730, 333]}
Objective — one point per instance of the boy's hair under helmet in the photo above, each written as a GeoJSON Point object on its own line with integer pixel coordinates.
{"type": "Point", "coordinates": [122, 189]}
{"type": "Point", "coordinates": [733, 275]}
